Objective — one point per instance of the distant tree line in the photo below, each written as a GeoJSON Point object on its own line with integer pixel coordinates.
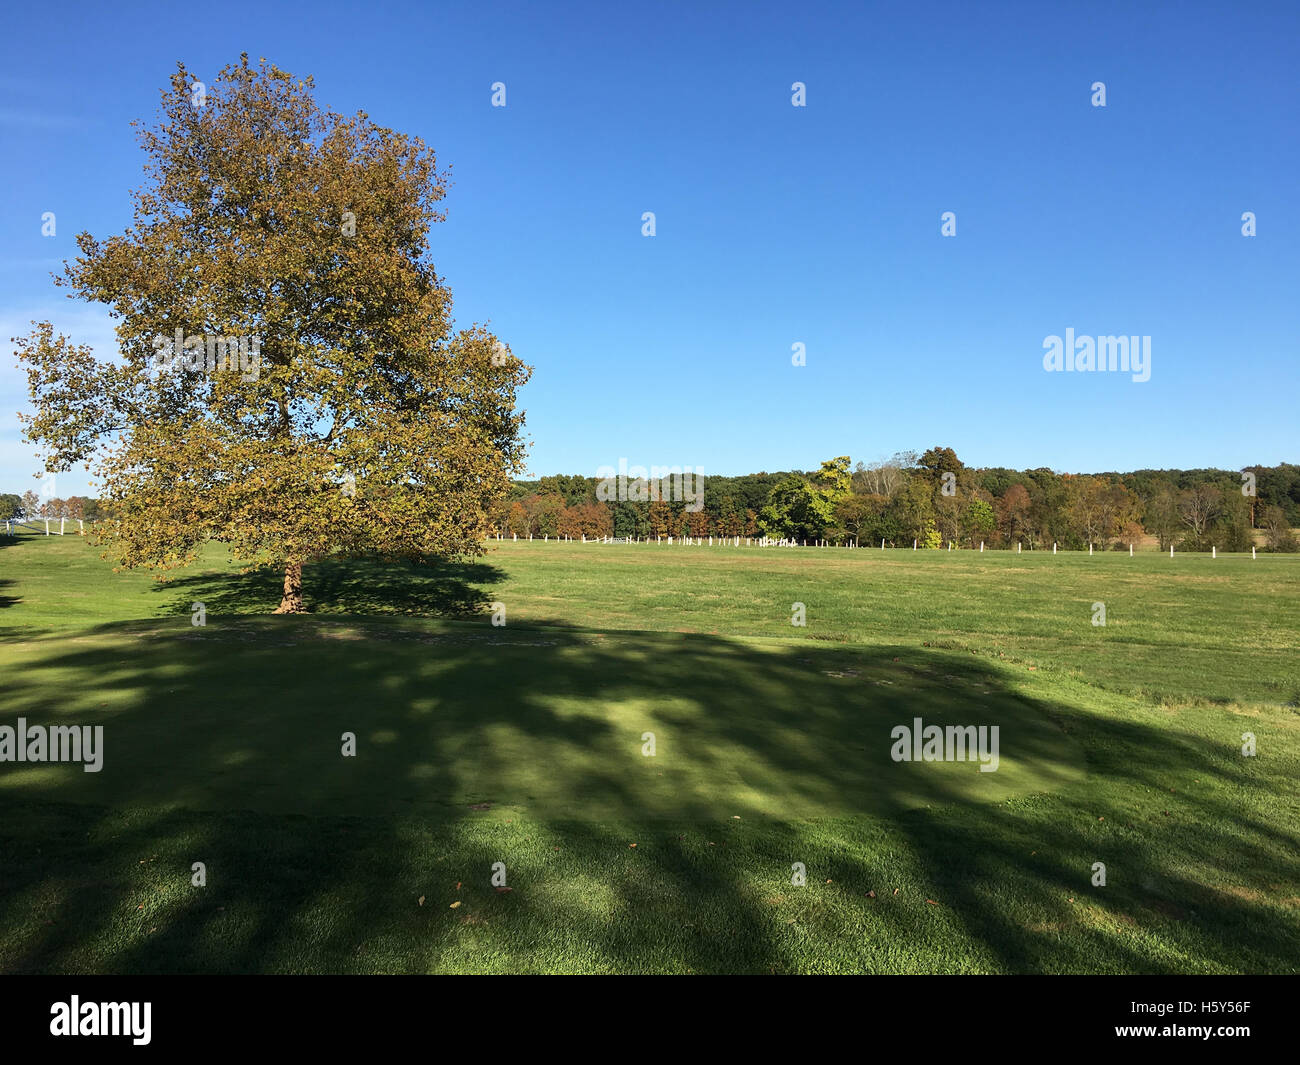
{"type": "Point", "coordinates": [932, 499]}
{"type": "Point", "coordinates": [29, 507]}
{"type": "Point", "coordinates": [935, 499]}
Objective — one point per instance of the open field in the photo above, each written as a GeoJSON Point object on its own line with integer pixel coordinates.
{"type": "Point", "coordinates": [522, 744]}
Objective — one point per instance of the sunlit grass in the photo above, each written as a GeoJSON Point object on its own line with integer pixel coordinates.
{"type": "Point", "coordinates": [523, 745]}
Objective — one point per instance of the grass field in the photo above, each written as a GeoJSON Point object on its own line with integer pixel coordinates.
{"type": "Point", "coordinates": [523, 745]}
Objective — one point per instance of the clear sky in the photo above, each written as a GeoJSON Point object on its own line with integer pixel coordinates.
{"type": "Point", "coordinates": [775, 224]}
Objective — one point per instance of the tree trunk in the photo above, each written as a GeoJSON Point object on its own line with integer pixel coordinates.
{"type": "Point", "coordinates": [291, 602]}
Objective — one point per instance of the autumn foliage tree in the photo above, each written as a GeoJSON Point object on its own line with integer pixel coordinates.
{"type": "Point", "coordinates": [1013, 513]}
{"type": "Point", "coordinates": [590, 520]}
{"type": "Point", "coordinates": [372, 425]}
{"type": "Point", "coordinates": [661, 515]}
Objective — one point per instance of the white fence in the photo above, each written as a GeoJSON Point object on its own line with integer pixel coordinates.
{"type": "Point", "coordinates": [764, 541]}
{"type": "Point", "coordinates": [43, 526]}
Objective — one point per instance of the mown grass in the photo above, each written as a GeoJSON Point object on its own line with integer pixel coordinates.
{"type": "Point", "coordinates": [522, 744]}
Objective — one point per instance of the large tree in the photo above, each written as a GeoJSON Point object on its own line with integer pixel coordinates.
{"type": "Point", "coordinates": [1160, 516]}
{"type": "Point", "coordinates": [1198, 507]}
{"type": "Point", "coordinates": [1087, 509]}
{"type": "Point", "coordinates": [795, 510]}
{"type": "Point", "coordinates": [1277, 530]}
{"type": "Point", "coordinates": [940, 460]}
{"type": "Point", "coordinates": [370, 425]}
{"type": "Point", "coordinates": [833, 480]}
{"type": "Point", "coordinates": [859, 515]}
{"type": "Point", "coordinates": [1012, 509]}
{"type": "Point", "coordinates": [883, 477]}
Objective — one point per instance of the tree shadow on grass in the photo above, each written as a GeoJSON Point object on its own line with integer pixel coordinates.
{"type": "Point", "coordinates": [436, 588]}
{"type": "Point", "coordinates": [8, 600]}
{"type": "Point", "coordinates": [767, 754]}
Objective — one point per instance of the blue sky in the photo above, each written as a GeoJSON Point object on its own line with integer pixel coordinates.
{"type": "Point", "coordinates": [775, 224]}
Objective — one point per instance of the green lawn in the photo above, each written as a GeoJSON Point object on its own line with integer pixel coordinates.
{"type": "Point", "coordinates": [522, 744]}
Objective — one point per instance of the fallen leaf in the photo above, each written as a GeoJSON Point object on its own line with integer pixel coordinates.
{"type": "Point", "coordinates": [503, 890]}
{"type": "Point", "coordinates": [454, 905]}
{"type": "Point", "coordinates": [932, 902]}
{"type": "Point", "coordinates": [895, 891]}
{"type": "Point", "coordinates": [421, 900]}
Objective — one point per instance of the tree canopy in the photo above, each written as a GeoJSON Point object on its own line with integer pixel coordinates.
{"type": "Point", "coordinates": [367, 423]}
